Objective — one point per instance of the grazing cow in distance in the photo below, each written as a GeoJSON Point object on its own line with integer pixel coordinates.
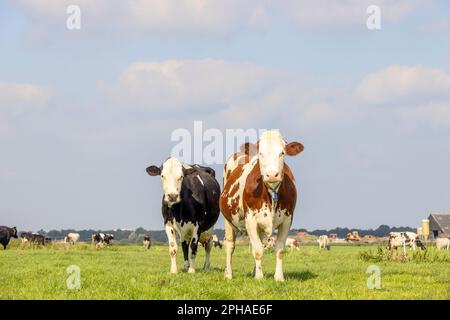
{"type": "Point", "coordinates": [34, 238]}
{"type": "Point", "coordinates": [25, 237]}
{"type": "Point", "coordinates": [72, 238]}
{"type": "Point", "coordinates": [6, 234]}
{"type": "Point", "coordinates": [216, 241]}
{"type": "Point", "coordinates": [190, 207]}
{"type": "Point", "coordinates": [324, 242]}
{"type": "Point", "coordinates": [38, 239]}
{"type": "Point", "coordinates": [259, 195]}
{"type": "Point", "coordinates": [101, 239]}
{"type": "Point", "coordinates": [404, 239]}
{"type": "Point", "coordinates": [292, 243]}
{"type": "Point", "coordinates": [147, 242]}
{"type": "Point", "coordinates": [443, 243]}
{"type": "Point", "coordinates": [28, 237]}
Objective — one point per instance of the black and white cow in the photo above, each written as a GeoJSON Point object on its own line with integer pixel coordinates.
{"type": "Point", "coordinates": [35, 238]}
{"type": "Point", "coordinates": [190, 207]}
{"type": "Point", "coordinates": [72, 238]}
{"type": "Point", "coordinates": [404, 239]}
{"type": "Point", "coordinates": [147, 242]}
{"type": "Point", "coordinates": [6, 234]}
{"type": "Point", "coordinates": [102, 239]}
{"type": "Point", "coordinates": [25, 237]}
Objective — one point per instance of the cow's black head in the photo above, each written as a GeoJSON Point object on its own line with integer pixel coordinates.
{"type": "Point", "coordinates": [14, 232]}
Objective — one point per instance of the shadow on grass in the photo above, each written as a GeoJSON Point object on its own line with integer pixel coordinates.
{"type": "Point", "coordinates": [299, 275]}
{"type": "Point", "coordinates": [294, 275]}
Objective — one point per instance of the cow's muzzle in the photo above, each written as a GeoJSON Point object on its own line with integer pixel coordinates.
{"type": "Point", "coordinates": [172, 198]}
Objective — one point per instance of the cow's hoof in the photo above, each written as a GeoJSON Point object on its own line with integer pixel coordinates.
{"type": "Point", "coordinates": [173, 271]}
{"type": "Point", "coordinates": [191, 270]}
{"type": "Point", "coordinates": [228, 275]}
{"type": "Point", "coordinates": [279, 277]}
{"type": "Point", "coordinates": [259, 276]}
{"type": "Point", "coordinates": [207, 267]}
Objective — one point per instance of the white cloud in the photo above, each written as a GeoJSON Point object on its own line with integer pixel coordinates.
{"type": "Point", "coordinates": [197, 15]}
{"type": "Point", "coordinates": [344, 13]}
{"type": "Point", "coordinates": [16, 98]}
{"type": "Point", "coordinates": [244, 94]}
{"type": "Point", "coordinates": [197, 85]}
{"type": "Point", "coordinates": [168, 16]}
{"type": "Point", "coordinates": [220, 17]}
{"type": "Point", "coordinates": [419, 95]}
{"type": "Point", "coordinates": [234, 93]}
{"type": "Point", "coordinates": [404, 83]}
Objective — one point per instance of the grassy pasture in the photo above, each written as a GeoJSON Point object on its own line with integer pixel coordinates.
{"type": "Point", "coordinates": [130, 272]}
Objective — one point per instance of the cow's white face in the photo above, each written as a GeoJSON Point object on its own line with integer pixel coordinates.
{"type": "Point", "coordinates": [171, 173]}
{"type": "Point", "coordinates": [271, 152]}
{"type": "Point", "coordinates": [272, 149]}
{"type": "Point", "coordinates": [172, 178]}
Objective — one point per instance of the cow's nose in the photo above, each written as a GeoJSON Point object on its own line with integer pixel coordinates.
{"type": "Point", "coordinates": [172, 197]}
{"type": "Point", "coordinates": [272, 176]}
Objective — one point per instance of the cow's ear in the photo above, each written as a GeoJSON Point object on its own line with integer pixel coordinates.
{"type": "Point", "coordinates": [294, 148]}
{"type": "Point", "coordinates": [153, 170]}
{"type": "Point", "coordinates": [249, 148]}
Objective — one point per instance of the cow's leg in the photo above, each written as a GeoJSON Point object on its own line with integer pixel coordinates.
{"type": "Point", "coordinates": [261, 234]}
{"type": "Point", "coordinates": [185, 247]}
{"type": "Point", "coordinates": [257, 247]}
{"type": "Point", "coordinates": [173, 248]}
{"type": "Point", "coordinates": [280, 244]}
{"type": "Point", "coordinates": [207, 265]}
{"type": "Point", "coordinates": [229, 243]}
{"type": "Point", "coordinates": [194, 247]}
{"type": "Point", "coordinates": [208, 247]}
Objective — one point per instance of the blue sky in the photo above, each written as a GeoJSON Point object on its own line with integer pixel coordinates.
{"type": "Point", "coordinates": [83, 112]}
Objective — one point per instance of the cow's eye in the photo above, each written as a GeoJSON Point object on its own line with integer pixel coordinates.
{"type": "Point", "coordinates": [162, 176]}
{"type": "Point", "coordinates": [282, 154]}
{"type": "Point", "coordinates": [179, 179]}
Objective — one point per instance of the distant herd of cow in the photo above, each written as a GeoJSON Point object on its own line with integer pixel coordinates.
{"type": "Point", "coordinates": [259, 196]}
{"type": "Point", "coordinates": [98, 239]}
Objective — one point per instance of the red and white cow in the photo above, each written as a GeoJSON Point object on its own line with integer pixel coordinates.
{"type": "Point", "coordinates": [259, 195]}
{"type": "Point", "coordinates": [292, 243]}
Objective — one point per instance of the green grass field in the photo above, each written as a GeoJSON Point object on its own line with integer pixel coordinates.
{"type": "Point", "coordinates": [129, 272]}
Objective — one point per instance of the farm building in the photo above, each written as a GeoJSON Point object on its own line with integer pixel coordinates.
{"type": "Point", "coordinates": [439, 224]}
